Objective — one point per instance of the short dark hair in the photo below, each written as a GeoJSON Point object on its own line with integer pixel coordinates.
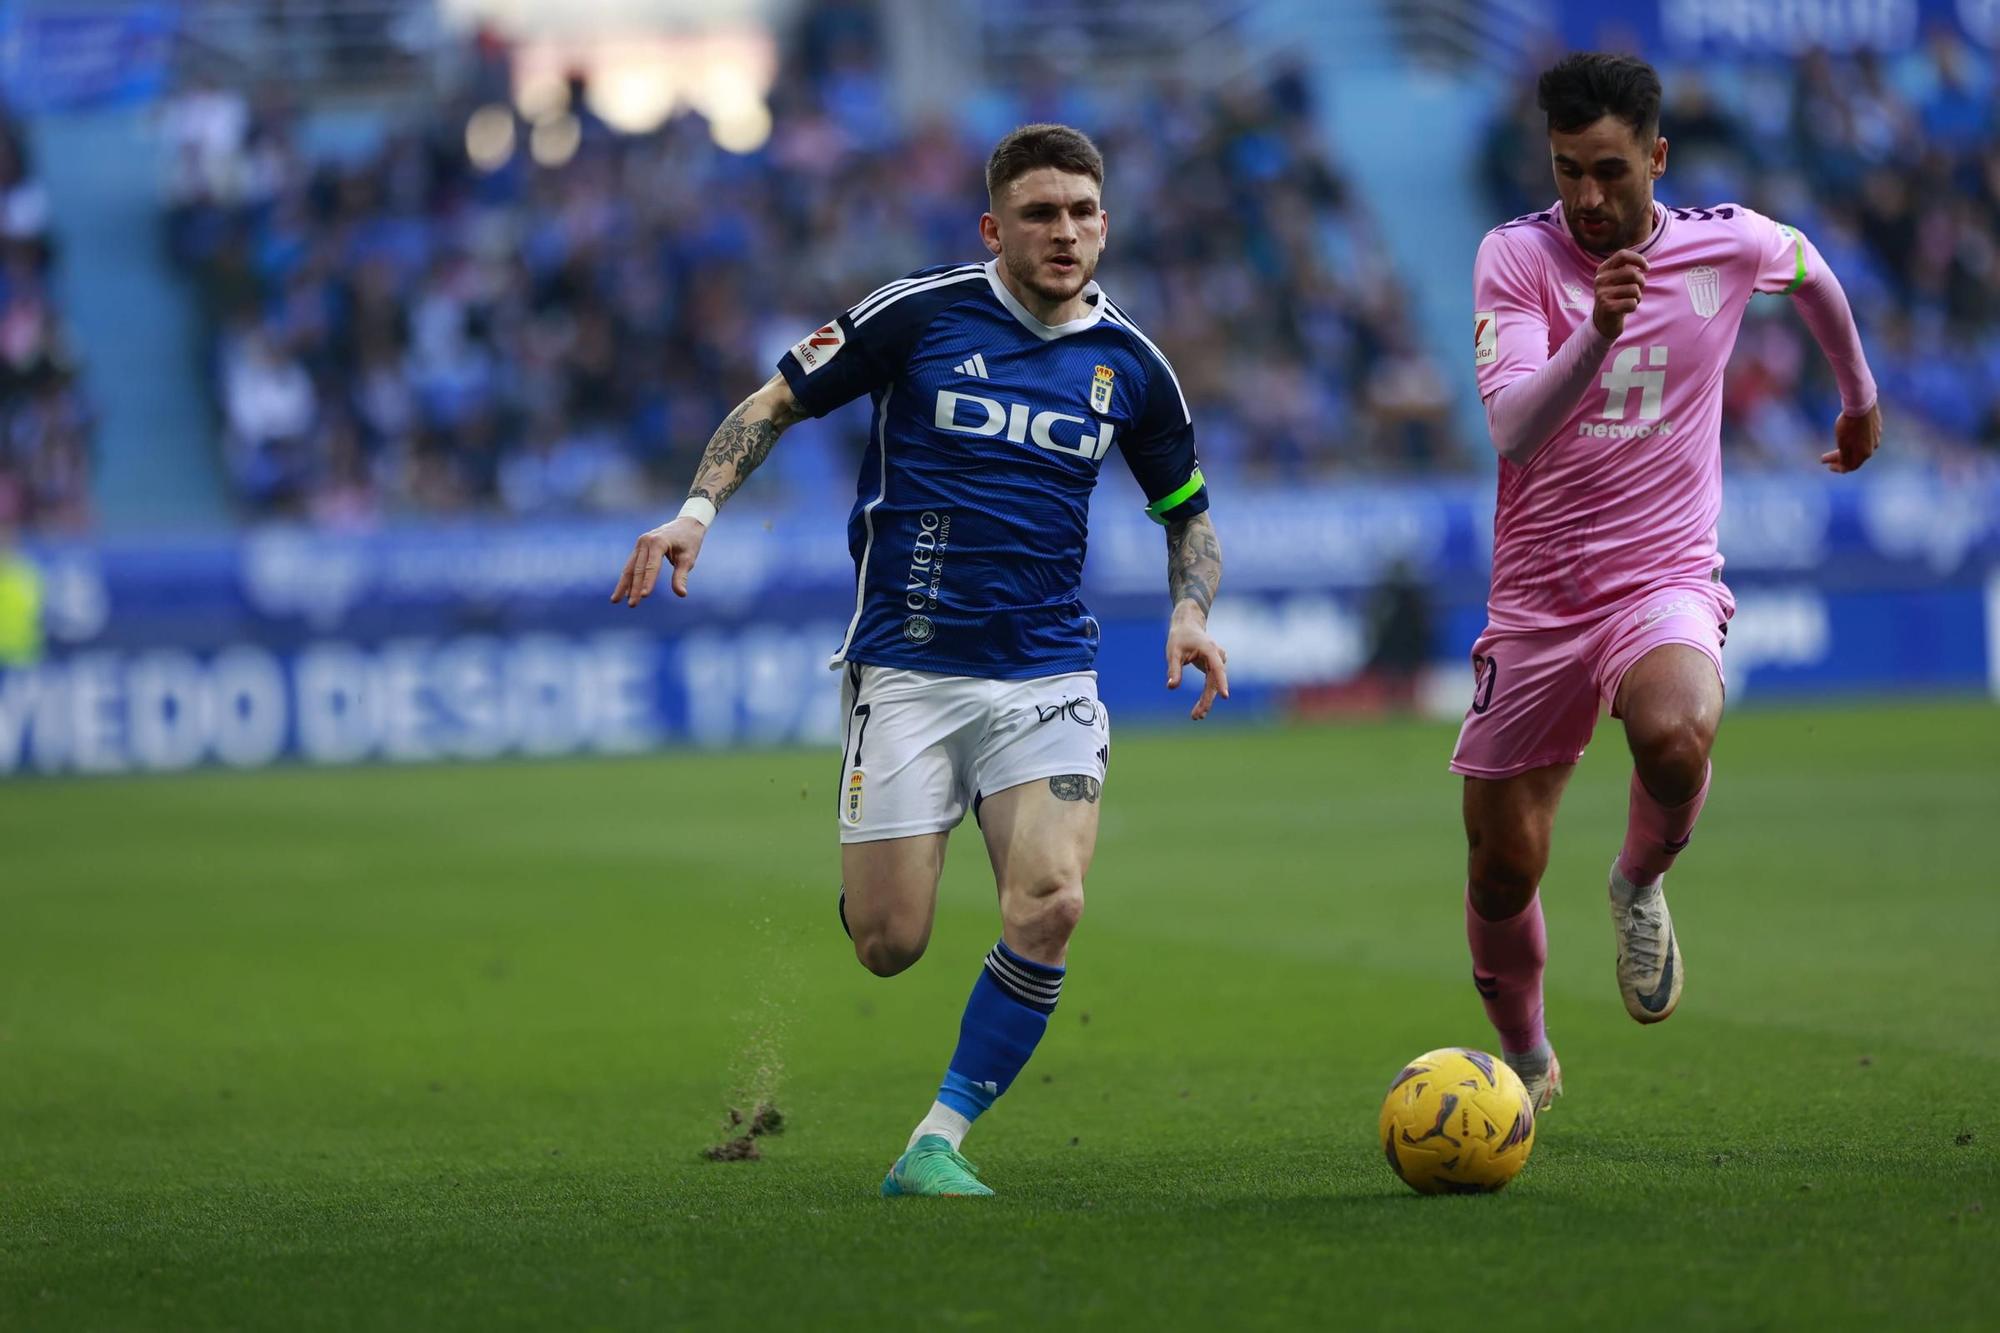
{"type": "Point", "coordinates": [1035, 146]}
{"type": "Point", "coordinates": [1582, 89]}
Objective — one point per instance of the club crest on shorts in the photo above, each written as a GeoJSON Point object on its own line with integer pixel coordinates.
{"type": "Point", "coordinates": [851, 810]}
{"type": "Point", "coordinates": [820, 346]}
{"type": "Point", "coordinates": [1100, 390]}
{"type": "Point", "coordinates": [1704, 291]}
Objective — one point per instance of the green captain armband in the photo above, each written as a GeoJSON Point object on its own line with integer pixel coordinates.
{"type": "Point", "coordinates": [1798, 258]}
{"type": "Point", "coordinates": [1158, 510]}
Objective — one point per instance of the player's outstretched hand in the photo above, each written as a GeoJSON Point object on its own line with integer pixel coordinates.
{"type": "Point", "coordinates": [1621, 281]}
{"type": "Point", "coordinates": [1188, 644]}
{"type": "Point", "coordinates": [676, 544]}
{"type": "Point", "coordinates": [1855, 440]}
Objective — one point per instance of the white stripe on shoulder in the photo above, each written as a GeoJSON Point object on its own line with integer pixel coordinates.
{"type": "Point", "coordinates": [975, 273]}
{"type": "Point", "coordinates": [889, 290]}
{"type": "Point", "coordinates": [1124, 321]}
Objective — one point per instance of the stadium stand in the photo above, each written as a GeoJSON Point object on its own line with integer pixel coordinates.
{"type": "Point", "coordinates": [45, 423]}
{"type": "Point", "coordinates": [409, 332]}
{"type": "Point", "coordinates": [403, 330]}
{"type": "Point", "coordinates": [1893, 168]}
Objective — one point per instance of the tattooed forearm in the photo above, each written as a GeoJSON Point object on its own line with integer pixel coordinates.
{"type": "Point", "coordinates": [740, 443]}
{"type": "Point", "coordinates": [733, 453]}
{"type": "Point", "coordinates": [1076, 787]}
{"type": "Point", "coordinates": [1194, 562]}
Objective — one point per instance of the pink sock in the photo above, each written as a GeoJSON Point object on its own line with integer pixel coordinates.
{"type": "Point", "coordinates": [1507, 961]}
{"type": "Point", "coordinates": [1655, 833]}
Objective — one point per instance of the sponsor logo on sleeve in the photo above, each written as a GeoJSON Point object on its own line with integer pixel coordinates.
{"type": "Point", "coordinates": [820, 346]}
{"type": "Point", "coordinates": [1485, 338]}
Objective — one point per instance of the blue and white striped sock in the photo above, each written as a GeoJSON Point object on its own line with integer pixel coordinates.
{"type": "Point", "coordinates": [1004, 1020]}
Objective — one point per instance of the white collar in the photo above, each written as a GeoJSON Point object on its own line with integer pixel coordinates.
{"type": "Point", "coordinates": [1092, 296]}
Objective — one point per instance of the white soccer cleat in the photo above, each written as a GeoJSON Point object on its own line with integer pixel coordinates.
{"type": "Point", "coordinates": [1649, 957]}
{"type": "Point", "coordinates": [1541, 1074]}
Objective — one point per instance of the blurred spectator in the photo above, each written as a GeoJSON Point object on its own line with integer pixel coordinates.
{"type": "Point", "coordinates": [411, 331]}
{"type": "Point", "coordinates": [20, 605]}
{"type": "Point", "coordinates": [272, 410]}
{"type": "Point", "coordinates": [1893, 168]}
{"type": "Point", "coordinates": [1401, 634]}
{"type": "Point", "coordinates": [44, 424]}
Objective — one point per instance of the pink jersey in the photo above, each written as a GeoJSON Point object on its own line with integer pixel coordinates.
{"type": "Point", "coordinates": [1624, 496]}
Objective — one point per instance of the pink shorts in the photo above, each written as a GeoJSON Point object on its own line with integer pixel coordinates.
{"type": "Point", "coordinates": [1537, 693]}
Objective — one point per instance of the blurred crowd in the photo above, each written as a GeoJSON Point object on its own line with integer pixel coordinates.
{"type": "Point", "coordinates": [1892, 167]}
{"type": "Point", "coordinates": [435, 319]}
{"type": "Point", "coordinates": [404, 329]}
{"type": "Point", "coordinates": [45, 426]}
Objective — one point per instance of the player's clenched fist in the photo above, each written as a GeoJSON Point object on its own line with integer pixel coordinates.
{"type": "Point", "coordinates": [1621, 281]}
{"type": "Point", "coordinates": [1855, 439]}
{"type": "Point", "coordinates": [672, 544]}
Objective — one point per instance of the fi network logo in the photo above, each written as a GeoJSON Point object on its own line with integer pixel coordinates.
{"type": "Point", "coordinates": [1625, 376]}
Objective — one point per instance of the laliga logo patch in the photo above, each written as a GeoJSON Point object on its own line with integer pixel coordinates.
{"type": "Point", "coordinates": [1100, 390]}
{"type": "Point", "coordinates": [1485, 338]}
{"type": "Point", "coordinates": [820, 346]}
{"type": "Point", "coordinates": [854, 797]}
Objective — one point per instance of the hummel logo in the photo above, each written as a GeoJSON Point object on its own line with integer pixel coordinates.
{"type": "Point", "coordinates": [1573, 297]}
{"type": "Point", "coordinates": [976, 367]}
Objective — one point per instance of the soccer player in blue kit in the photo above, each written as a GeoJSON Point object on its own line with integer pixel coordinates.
{"type": "Point", "coordinates": [998, 388]}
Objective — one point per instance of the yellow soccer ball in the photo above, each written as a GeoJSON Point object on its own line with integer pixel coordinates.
{"type": "Point", "coordinates": [1457, 1122]}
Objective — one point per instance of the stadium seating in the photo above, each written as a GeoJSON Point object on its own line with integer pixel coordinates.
{"type": "Point", "coordinates": [45, 426]}
{"type": "Point", "coordinates": [407, 332]}
{"type": "Point", "coordinates": [1893, 169]}
{"type": "Point", "coordinates": [403, 331]}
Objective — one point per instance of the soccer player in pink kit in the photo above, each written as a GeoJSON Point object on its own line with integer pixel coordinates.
{"type": "Point", "coordinates": [1600, 333]}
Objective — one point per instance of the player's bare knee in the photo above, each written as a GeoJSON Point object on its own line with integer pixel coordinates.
{"type": "Point", "coordinates": [1046, 909]}
{"type": "Point", "coordinates": [1671, 754]}
{"type": "Point", "coordinates": [885, 954]}
{"type": "Point", "coordinates": [1501, 880]}
{"type": "Point", "coordinates": [888, 947]}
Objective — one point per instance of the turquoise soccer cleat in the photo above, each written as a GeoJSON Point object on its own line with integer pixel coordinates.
{"type": "Point", "coordinates": [930, 1166]}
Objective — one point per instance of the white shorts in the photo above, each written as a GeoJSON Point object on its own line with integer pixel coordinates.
{"type": "Point", "coordinates": [922, 747]}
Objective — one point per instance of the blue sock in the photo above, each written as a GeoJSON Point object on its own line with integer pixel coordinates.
{"type": "Point", "coordinates": [1004, 1020]}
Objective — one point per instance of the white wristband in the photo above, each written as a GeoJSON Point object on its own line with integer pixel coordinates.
{"type": "Point", "coordinates": [699, 508]}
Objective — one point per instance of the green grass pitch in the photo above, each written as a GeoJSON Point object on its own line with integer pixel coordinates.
{"type": "Point", "coordinates": [438, 1048]}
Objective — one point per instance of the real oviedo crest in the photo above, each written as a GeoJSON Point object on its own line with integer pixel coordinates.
{"type": "Point", "coordinates": [1100, 391]}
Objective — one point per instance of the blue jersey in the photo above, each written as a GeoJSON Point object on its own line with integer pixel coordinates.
{"type": "Point", "coordinates": [989, 429]}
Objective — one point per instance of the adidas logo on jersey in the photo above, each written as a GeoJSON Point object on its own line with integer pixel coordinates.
{"type": "Point", "coordinates": [975, 367]}
{"type": "Point", "coordinates": [970, 414]}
